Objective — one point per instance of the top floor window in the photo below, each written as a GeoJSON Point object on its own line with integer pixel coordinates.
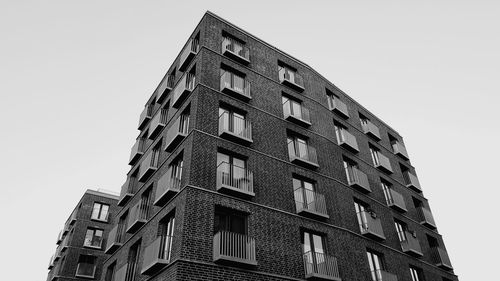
{"type": "Point", "coordinates": [291, 78]}
{"type": "Point", "coordinates": [100, 212]}
{"type": "Point", "coordinates": [235, 49]}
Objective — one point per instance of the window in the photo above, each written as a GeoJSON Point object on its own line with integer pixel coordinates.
{"type": "Point", "coordinates": [354, 175]}
{"type": "Point", "coordinates": [362, 211]}
{"type": "Point", "coordinates": [231, 167]}
{"type": "Point", "coordinates": [401, 230]}
{"type": "Point", "coordinates": [93, 238]}
{"type": "Point", "coordinates": [233, 82]}
{"type": "Point", "coordinates": [86, 266]}
{"type": "Point", "coordinates": [297, 146]}
{"type": "Point", "coordinates": [233, 122]}
{"type": "Point", "coordinates": [386, 188]}
{"type": "Point", "coordinates": [290, 77]}
{"type": "Point", "coordinates": [304, 194]}
{"type": "Point", "coordinates": [376, 264]}
{"type": "Point", "coordinates": [100, 212]}
{"type": "Point", "coordinates": [291, 107]}
{"type": "Point", "coordinates": [339, 132]}
{"type": "Point", "coordinates": [313, 251]}
{"type": "Point", "coordinates": [110, 271]}
{"type": "Point", "coordinates": [369, 128]}
{"type": "Point", "coordinates": [374, 152]}
{"type": "Point", "coordinates": [146, 202]}
{"type": "Point", "coordinates": [344, 138]}
{"type": "Point", "coordinates": [230, 221]}
{"type": "Point", "coordinates": [416, 274]}
{"type": "Point", "coordinates": [336, 105]}
{"type": "Point", "coordinates": [235, 49]}
{"type": "Point", "coordinates": [132, 260]}
{"type": "Point", "coordinates": [166, 232]}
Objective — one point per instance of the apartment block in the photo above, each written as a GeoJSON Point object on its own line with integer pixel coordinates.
{"type": "Point", "coordinates": [250, 165]}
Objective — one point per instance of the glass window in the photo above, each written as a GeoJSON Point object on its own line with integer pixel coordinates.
{"type": "Point", "coordinates": [416, 274]}
{"type": "Point", "coordinates": [100, 212]}
{"type": "Point", "coordinates": [93, 238]}
{"type": "Point", "coordinates": [86, 266]}
{"type": "Point", "coordinates": [166, 231]}
{"type": "Point", "coordinates": [376, 265]}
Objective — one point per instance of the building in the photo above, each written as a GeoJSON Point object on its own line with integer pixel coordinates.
{"type": "Point", "coordinates": [250, 165]}
{"type": "Point", "coordinates": [80, 245]}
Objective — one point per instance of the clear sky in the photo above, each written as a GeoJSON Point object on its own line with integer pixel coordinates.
{"type": "Point", "coordinates": [74, 77]}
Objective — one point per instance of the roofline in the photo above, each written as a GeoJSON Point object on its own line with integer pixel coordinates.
{"type": "Point", "coordinates": [103, 193]}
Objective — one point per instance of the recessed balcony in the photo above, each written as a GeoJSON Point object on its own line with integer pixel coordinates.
{"type": "Point", "coordinates": [440, 258]}
{"type": "Point", "coordinates": [383, 163]}
{"type": "Point", "coordinates": [291, 79]}
{"type": "Point", "coordinates": [157, 255]}
{"type": "Point", "coordinates": [396, 201]}
{"type": "Point", "coordinates": [85, 270]}
{"type": "Point", "coordinates": [177, 132]}
{"type": "Point", "coordinates": [338, 107]}
{"type": "Point", "coordinates": [121, 273]}
{"type": "Point", "coordinates": [188, 53]}
{"type": "Point", "coordinates": [296, 113]}
{"type": "Point", "coordinates": [165, 87]}
{"type": "Point", "coordinates": [348, 141]}
{"type": "Point", "coordinates": [182, 89]}
{"type": "Point", "coordinates": [148, 166]}
{"type": "Point", "coordinates": [411, 245]}
{"type": "Point", "coordinates": [381, 275]}
{"type": "Point", "coordinates": [400, 149]}
{"type": "Point", "coordinates": [234, 180]}
{"type": "Point", "coordinates": [166, 188]}
{"type": "Point", "coordinates": [72, 218]}
{"type": "Point", "coordinates": [358, 179]}
{"type": "Point", "coordinates": [319, 266]}
{"type": "Point", "coordinates": [235, 50]}
{"type": "Point", "coordinates": [138, 216]}
{"type": "Point", "coordinates": [426, 218]}
{"type": "Point", "coordinates": [126, 193]}
{"type": "Point", "coordinates": [411, 181]}
{"type": "Point", "coordinates": [310, 204]}
{"type": "Point", "coordinates": [370, 225]}
{"type": "Point", "coordinates": [60, 237]}
{"type": "Point", "coordinates": [235, 128]}
{"type": "Point", "coordinates": [157, 124]}
{"type": "Point", "coordinates": [115, 240]}
{"type": "Point", "coordinates": [137, 151]}
{"type": "Point", "coordinates": [235, 86]}
{"type": "Point", "coordinates": [305, 156]}
{"type": "Point", "coordinates": [145, 116]}
{"type": "Point", "coordinates": [64, 245]}
{"type": "Point", "coordinates": [51, 262]}
{"type": "Point", "coordinates": [370, 129]}
{"type": "Point", "coordinates": [234, 249]}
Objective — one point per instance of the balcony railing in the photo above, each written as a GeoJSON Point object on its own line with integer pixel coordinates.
{"type": "Point", "coordinates": [188, 53]}
{"type": "Point", "coordinates": [347, 140]}
{"type": "Point", "coordinates": [396, 201]}
{"type": "Point", "coordinates": [60, 237]}
{"type": "Point", "coordinates": [127, 192]}
{"type": "Point", "coordinates": [145, 116]}
{"type": "Point", "coordinates": [115, 240]}
{"type": "Point", "coordinates": [411, 245]}
{"type": "Point", "coordinates": [52, 261]}
{"type": "Point", "coordinates": [297, 114]}
{"type": "Point", "coordinates": [440, 258]}
{"type": "Point", "coordinates": [234, 180]}
{"type": "Point", "coordinates": [182, 89]}
{"type": "Point", "coordinates": [338, 106]}
{"type": "Point", "coordinates": [356, 178]}
{"type": "Point", "coordinates": [235, 128]}
{"type": "Point", "coordinates": [138, 216]}
{"type": "Point", "coordinates": [64, 245]}
{"type": "Point", "coordinates": [137, 151]}
{"type": "Point", "coordinates": [235, 50]}
{"type": "Point", "coordinates": [85, 270]}
{"type": "Point", "coordinates": [234, 248]}
{"type": "Point", "coordinates": [412, 181]}
{"type": "Point", "coordinates": [157, 255]}
{"type": "Point", "coordinates": [319, 266]}
{"type": "Point", "coordinates": [381, 275]}
{"type": "Point", "coordinates": [72, 218]}
{"type": "Point", "coordinates": [121, 273]}
{"type": "Point", "coordinates": [426, 217]}
{"type": "Point", "coordinates": [370, 225]}
{"type": "Point", "coordinates": [165, 87]}
{"type": "Point", "coordinates": [177, 132]}
{"type": "Point", "coordinates": [235, 85]}
{"type": "Point", "coordinates": [166, 188]}
{"type": "Point", "coordinates": [310, 203]}
{"type": "Point", "coordinates": [370, 129]}
{"type": "Point", "coordinates": [400, 149]}
{"type": "Point", "coordinates": [291, 79]}
{"type": "Point", "coordinates": [383, 163]}
{"type": "Point", "coordinates": [158, 122]}
{"type": "Point", "coordinates": [307, 157]}
{"type": "Point", "coordinates": [149, 165]}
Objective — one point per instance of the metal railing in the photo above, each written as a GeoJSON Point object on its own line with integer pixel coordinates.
{"type": "Point", "coordinates": [356, 177]}
{"type": "Point", "coordinates": [240, 127]}
{"type": "Point", "coordinates": [235, 83]}
{"type": "Point", "coordinates": [382, 161]}
{"type": "Point", "coordinates": [188, 52]}
{"type": "Point", "coordinates": [369, 127]}
{"type": "Point", "coordinates": [411, 243]}
{"type": "Point", "coordinates": [426, 216]}
{"type": "Point", "coordinates": [159, 120]}
{"type": "Point", "coordinates": [399, 148]}
{"type": "Point", "coordinates": [335, 104]}
{"type": "Point", "coordinates": [440, 257]}
{"type": "Point", "coordinates": [149, 163]}
{"type": "Point", "coordinates": [411, 180]}
{"type": "Point", "coordinates": [165, 86]}
{"type": "Point", "coordinates": [396, 199]}
{"type": "Point", "coordinates": [186, 84]}
{"type": "Point", "coordinates": [347, 138]}
{"type": "Point", "coordinates": [290, 76]}
{"type": "Point", "coordinates": [381, 275]}
{"type": "Point", "coordinates": [158, 252]}
{"type": "Point", "coordinates": [302, 114]}
{"type": "Point", "coordinates": [138, 213]}
{"type": "Point", "coordinates": [179, 130]}
{"type": "Point", "coordinates": [115, 236]}
{"type": "Point", "coordinates": [234, 245]}
{"type": "Point", "coordinates": [145, 115]}
{"type": "Point", "coordinates": [308, 155]}
{"type": "Point", "coordinates": [309, 200]}
{"type": "Point", "coordinates": [320, 264]}
{"type": "Point", "coordinates": [235, 47]}
{"type": "Point", "coordinates": [234, 177]}
{"type": "Point", "coordinates": [167, 183]}
{"type": "Point", "coordinates": [370, 224]}
{"type": "Point", "coordinates": [137, 149]}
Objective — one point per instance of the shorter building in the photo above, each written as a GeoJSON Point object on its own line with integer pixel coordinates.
{"type": "Point", "coordinates": [80, 245]}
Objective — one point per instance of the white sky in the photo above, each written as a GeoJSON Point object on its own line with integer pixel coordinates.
{"type": "Point", "coordinates": [74, 76]}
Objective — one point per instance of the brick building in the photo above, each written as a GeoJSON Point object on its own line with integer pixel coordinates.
{"type": "Point", "coordinates": [250, 165]}
{"type": "Point", "coordinates": [80, 245]}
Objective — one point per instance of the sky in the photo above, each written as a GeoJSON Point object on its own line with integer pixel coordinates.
{"type": "Point", "coordinates": [75, 75]}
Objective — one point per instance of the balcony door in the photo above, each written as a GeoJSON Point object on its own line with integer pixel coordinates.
{"type": "Point", "coordinates": [166, 232]}
{"type": "Point", "coordinates": [376, 265]}
{"type": "Point", "coordinates": [292, 107]}
{"type": "Point", "coordinates": [361, 213]}
{"type": "Point", "coordinates": [230, 222]}
{"type": "Point", "coordinates": [232, 121]}
{"type": "Point", "coordinates": [233, 169]}
{"type": "Point", "coordinates": [298, 147]}
{"type": "Point", "coordinates": [386, 187]}
{"type": "Point", "coordinates": [314, 252]}
{"type": "Point", "coordinates": [304, 194]}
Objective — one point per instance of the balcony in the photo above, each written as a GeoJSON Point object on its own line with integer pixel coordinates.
{"type": "Point", "coordinates": [157, 255]}
{"type": "Point", "coordinates": [65, 229]}
{"type": "Point", "coordinates": [51, 262]}
{"type": "Point", "coordinates": [177, 132]}
{"type": "Point", "coordinates": [235, 128]}
{"type": "Point", "coordinates": [400, 149]}
{"type": "Point", "coordinates": [440, 258]}
{"type": "Point", "coordinates": [126, 193]}
{"type": "Point", "coordinates": [235, 50]}
{"type": "Point", "coordinates": [72, 218]}
{"type": "Point", "coordinates": [310, 204]}
{"type": "Point", "coordinates": [148, 166]}
{"type": "Point", "coordinates": [358, 179]}
{"type": "Point", "coordinates": [166, 188]}
{"type": "Point", "coordinates": [121, 273]}
{"type": "Point", "coordinates": [396, 201]}
{"type": "Point", "coordinates": [157, 124]}
{"type": "Point", "coordinates": [381, 275]}
{"type": "Point", "coordinates": [234, 248]}
{"type": "Point", "coordinates": [318, 266]}
{"type": "Point", "coordinates": [234, 180]}
{"type": "Point", "coordinates": [348, 141]}
{"type": "Point", "coordinates": [64, 245]}
{"type": "Point", "coordinates": [371, 225]}
{"type": "Point", "coordinates": [115, 240]}
{"type": "Point", "coordinates": [57, 255]}
{"type": "Point", "coordinates": [296, 113]}
{"type": "Point", "coordinates": [165, 87]}
{"type": "Point", "coordinates": [411, 245]}
{"type": "Point", "coordinates": [306, 157]}
{"type": "Point", "coordinates": [235, 86]}
{"type": "Point", "coordinates": [291, 79]}
{"type": "Point", "coordinates": [188, 53]}
{"type": "Point", "coordinates": [426, 218]}
{"type": "Point", "coordinates": [137, 151]}
{"type": "Point", "coordinates": [370, 129]}
{"type": "Point", "coordinates": [182, 89]}
{"type": "Point", "coordinates": [411, 181]}
{"type": "Point", "coordinates": [137, 216]}
{"type": "Point", "coordinates": [85, 270]}
{"type": "Point", "coordinates": [337, 106]}
{"type": "Point", "coordinates": [383, 163]}
{"type": "Point", "coordinates": [145, 116]}
{"type": "Point", "coordinates": [60, 237]}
